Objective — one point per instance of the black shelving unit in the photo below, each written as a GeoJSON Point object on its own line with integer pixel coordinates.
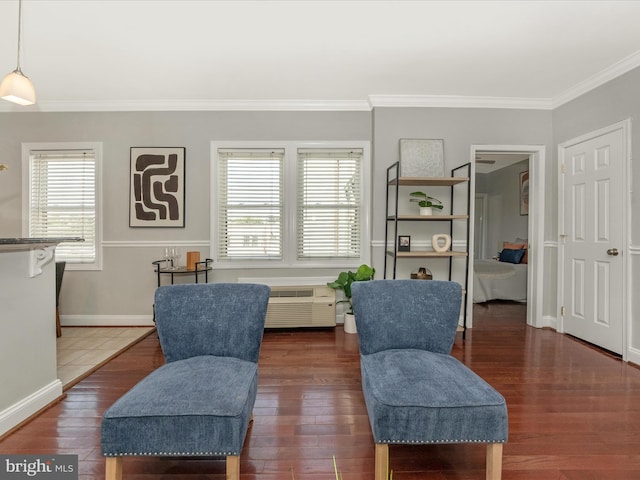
{"type": "Point", "coordinates": [393, 183]}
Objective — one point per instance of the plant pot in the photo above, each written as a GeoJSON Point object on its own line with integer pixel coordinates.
{"type": "Point", "coordinates": [426, 210]}
{"type": "Point", "coordinates": [349, 323]}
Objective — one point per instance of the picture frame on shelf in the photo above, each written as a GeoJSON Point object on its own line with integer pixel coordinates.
{"type": "Point", "coordinates": [404, 243]}
{"type": "Point", "coordinates": [157, 187]}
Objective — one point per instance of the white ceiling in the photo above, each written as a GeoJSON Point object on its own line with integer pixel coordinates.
{"type": "Point", "coordinates": [170, 54]}
{"type": "Point", "coordinates": [487, 162]}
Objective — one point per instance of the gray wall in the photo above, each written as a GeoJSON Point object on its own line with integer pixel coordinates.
{"type": "Point", "coordinates": [126, 284]}
{"type": "Point", "coordinates": [460, 128]}
{"type": "Point", "coordinates": [613, 102]}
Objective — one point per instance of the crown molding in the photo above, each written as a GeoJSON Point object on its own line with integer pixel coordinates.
{"type": "Point", "coordinates": [458, 101]}
{"type": "Point", "coordinates": [439, 101]}
{"type": "Point", "coordinates": [191, 105]}
{"type": "Point", "coordinates": [616, 70]}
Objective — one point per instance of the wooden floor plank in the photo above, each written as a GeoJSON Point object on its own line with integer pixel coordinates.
{"type": "Point", "coordinates": [574, 412]}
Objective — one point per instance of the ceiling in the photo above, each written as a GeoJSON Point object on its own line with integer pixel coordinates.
{"type": "Point", "coordinates": [488, 162]}
{"type": "Point", "coordinates": [183, 54]}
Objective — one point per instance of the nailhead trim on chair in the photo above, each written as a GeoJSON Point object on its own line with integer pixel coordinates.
{"type": "Point", "coordinates": [439, 441]}
{"type": "Point", "coordinates": [167, 454]}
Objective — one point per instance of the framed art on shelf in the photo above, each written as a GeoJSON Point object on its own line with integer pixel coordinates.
{"type": "Point", "coordinates": [157, 187]}
{"type": "Point", "coordinates": [404, 243]}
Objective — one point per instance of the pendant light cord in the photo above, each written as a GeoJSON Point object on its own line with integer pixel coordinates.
{"type": "Point", "coordinates": [19, 33]}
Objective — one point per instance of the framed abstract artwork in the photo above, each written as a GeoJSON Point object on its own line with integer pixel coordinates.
{"type": "Point", "coordinates": [421, 157]}
{"type": "Point", "coordinates": [157, 189]}
{"type": "Point", "coordinates": [524, 193]}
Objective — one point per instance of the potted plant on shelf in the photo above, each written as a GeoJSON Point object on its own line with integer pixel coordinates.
{"type": "Point", "coordinates": [343, 282]}
{"type": "Point", "coordinates": [426, 202]}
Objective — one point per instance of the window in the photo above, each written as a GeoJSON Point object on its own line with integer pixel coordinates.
{"type": "Point", "coordinates": [329, 201]}
{"type": "Point", "coordinates": [250, 194]}
{"type": "Point", "coordinates": [61, 199]}
{"type": "Point", "coordinates": [290, 204]}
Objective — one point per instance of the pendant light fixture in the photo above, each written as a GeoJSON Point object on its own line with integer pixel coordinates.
{"type": "Point", "coordinates": [16, 87]}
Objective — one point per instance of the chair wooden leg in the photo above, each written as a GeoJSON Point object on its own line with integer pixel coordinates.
{"type": "Point", "coordinates": [494, 461]}
{"type": "Point", "coordinates": [113, 468]}
{"type": "Point", "coordinates": [381, 461]}
{"type": "Point", "coordinates": [233, 467]}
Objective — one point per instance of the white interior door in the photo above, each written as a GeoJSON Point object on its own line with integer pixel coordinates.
{"type": "Point", "coordinates": [593, 195]}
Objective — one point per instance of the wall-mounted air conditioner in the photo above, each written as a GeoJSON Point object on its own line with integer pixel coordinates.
{"type": "Point", "coordinates": [301, 306]}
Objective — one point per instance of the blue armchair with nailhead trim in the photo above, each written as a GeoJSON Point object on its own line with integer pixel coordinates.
{"type": "Point", "coordinates": [414, 390]}
{"type": "Point", "coordinates": [200, 402]}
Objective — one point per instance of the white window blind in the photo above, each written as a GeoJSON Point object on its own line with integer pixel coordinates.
{"type": "Point", "coordinates": [329, 199]}
{"type": "Point", "coordinates": [62, 201]}
{"type": "Point", "coordinates": [250, 207]}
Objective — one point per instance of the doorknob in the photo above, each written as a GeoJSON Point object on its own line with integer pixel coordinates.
{"type": "Point", "coordinates": [613, 252]}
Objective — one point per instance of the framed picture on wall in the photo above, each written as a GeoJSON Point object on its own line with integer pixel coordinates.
{"type": "Point", "coordinates": [524, 193]}
{"type": "Point", "coordinates": [157, 187]}
{"type": "Point", "coordinates": [404, 243]}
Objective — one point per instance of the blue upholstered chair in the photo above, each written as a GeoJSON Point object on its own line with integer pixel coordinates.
{"type": "Point", "coordinates": [415, 391]}
{"type": "Point", "coordinates": [200, 402]}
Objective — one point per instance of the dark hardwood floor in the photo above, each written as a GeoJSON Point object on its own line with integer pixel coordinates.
{"type": "Point", "coordinates": [574, 411]}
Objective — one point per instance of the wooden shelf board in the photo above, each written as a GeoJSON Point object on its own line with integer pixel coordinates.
{"type": "Point", "coordinates": [427, 218]}
{"type": "Point", "coordinates": [425, 254]}
{"type": "Point", "coordinates": [429, 181]}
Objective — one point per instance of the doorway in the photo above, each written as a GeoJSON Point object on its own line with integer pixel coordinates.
{"type": "Point", "coordinates": [535, 155]}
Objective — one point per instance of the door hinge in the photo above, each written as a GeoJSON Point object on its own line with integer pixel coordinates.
{"type": "Point", "coordinates": [562, 311]}
{"type": "Point", "coordinates": [562, 168]}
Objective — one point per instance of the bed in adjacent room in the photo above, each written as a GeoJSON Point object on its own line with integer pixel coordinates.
{"type": "Point", "coordinates": [502, 279]}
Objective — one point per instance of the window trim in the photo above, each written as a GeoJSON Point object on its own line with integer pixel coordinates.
{"type": "Point", "coordinates": [289, 182]}
{"type": "Point", "coordinates": [27, 149]}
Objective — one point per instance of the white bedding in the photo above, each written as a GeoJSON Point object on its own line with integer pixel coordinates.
{"type": "Point", "coordinates": [493, 280]}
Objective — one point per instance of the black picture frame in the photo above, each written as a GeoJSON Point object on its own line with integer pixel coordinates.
{"type": "Point", "coordinates": [157, 187]}
{"type": "Point", "coordinates": [404, 243]}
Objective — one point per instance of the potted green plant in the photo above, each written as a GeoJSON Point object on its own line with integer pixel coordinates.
{"type": "Point", "coordinates": [426, 202]}
{"type": "Point", "coordinates": [343, 282]}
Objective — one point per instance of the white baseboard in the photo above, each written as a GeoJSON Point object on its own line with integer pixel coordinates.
{"type": "Point", "coordinates": [20, 411]}
{"type": "Point", "coordinates": [106, 320]}
{"type": "Point", "coordinates": [550, 321]}
{"type": "Point", "coordinates": [633, 355]}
